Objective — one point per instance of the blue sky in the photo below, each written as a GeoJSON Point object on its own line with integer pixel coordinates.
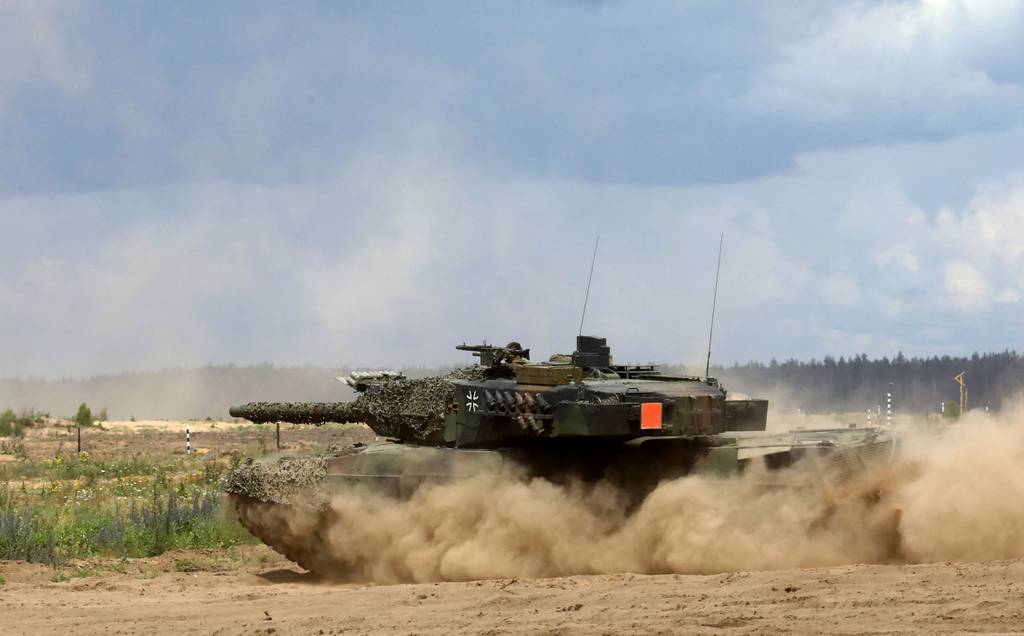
{"type": "Point", "coordinates": [372, 183]}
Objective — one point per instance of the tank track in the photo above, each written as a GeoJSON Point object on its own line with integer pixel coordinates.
{"type": "Point", "coordinates": [299, 533]}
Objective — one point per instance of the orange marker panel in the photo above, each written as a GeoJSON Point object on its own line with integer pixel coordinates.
{"type": "Point", "coordinates": [650, 415]}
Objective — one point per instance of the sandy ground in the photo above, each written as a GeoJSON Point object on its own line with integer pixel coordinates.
{"type": "Point", "coordinates": [253, 590]}
{"type": "Point", "coordinates": [165, 438]}
{"type": "Point", "coordinates": [276, 598]}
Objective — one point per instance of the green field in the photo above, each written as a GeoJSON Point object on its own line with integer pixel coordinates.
{"type": "Point", "coordinates": [77, 506]}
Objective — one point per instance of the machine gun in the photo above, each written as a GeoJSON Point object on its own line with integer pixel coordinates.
{"type": "Point", "coordinates": [492, 356]}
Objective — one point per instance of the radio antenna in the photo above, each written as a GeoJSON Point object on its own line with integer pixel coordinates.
{"type": "Point", "coordinates": [714, 301]}
{"type": "Point", "coordinates": [590, 278]}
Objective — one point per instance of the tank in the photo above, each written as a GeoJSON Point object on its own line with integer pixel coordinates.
{"type": "Point", "coordinates": [576, 416]}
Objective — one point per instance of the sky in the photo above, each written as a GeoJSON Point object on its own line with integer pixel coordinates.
{"type": "Point", "coordinates": [370, 184]}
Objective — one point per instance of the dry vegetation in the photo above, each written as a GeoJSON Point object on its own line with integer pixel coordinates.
{"type": "Point", "coordinates": [132, 491]}
{"type": "Point", "coordinates": [131, 536]}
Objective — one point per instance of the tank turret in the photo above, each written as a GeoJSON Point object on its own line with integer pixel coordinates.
{"type": "Point", "coordinates": [507, 400]}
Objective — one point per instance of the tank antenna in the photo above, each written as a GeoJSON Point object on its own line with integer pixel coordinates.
{"type": "Point", "coordinates": [714, 301]}
{"type": "Point", "coordinates": [590, 278]}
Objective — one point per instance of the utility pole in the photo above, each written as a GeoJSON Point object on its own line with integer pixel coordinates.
{"type": "Point", "coordinates": [963, 392]}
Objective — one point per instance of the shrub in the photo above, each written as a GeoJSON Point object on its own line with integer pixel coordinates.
{"type": "Point", "coordinates": [951, 410]}
{"type": "Point", "coordinates": [14, 447]}
{"type": "Point", "coordinates": [12, 425]}
{"type": "Point", "coordinates": [9, 424]}
{"type": "Point", "coordinates": [84, 417]}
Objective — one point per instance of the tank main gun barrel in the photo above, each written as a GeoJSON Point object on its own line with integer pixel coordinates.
{"type": "Point", "coordinates": [300, 412]}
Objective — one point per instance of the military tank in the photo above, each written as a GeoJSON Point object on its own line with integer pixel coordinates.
{"type": "Point", "coordinates": [572, 417]}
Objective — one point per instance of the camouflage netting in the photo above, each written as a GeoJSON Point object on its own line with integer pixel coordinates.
{"type": "Point", "coordinates": [413, 410]}
{"type": "Point", "coordinates": [472, 374]}
{"type": "Point", "coordinates": [300, 412]}
{"type": "Point", "coordinates": [287, 480]}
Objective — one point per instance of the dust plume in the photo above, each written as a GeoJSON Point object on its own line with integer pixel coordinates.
{"type": "Point", "coordinates": [954, 494]}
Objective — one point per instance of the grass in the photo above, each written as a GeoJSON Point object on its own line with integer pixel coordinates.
{"type": "Point", "coordinates": [198, 565]}
{"type": "Point", "coordinates": [79, 506]}
{"type": "Point", "coordinates": [83, 466]}
{"type": "Point", "coordinates": [14, 447]}
{"type": "Point", "coordinates": [187, 565]}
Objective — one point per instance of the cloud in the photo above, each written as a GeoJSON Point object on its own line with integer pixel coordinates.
{"type": "Point", "coordinates": [900, 256]}
{"type": "Point", "coordinates": [840, 290]}
{"type": "Point", "coordinates": [294, 93]}
{"type": "Point", "coordinates": [988, 238]}
{"type": "Point", "coordinates": [394, 260]}
{"type": "Point", "coordinates": [967, 288]}
{"type": "Point", "coordinates": [1008, 295]}
{"type": "Point", "coordinates": [993, 225]}
{"type": "Point", "coordinates": [935, 67]}
{"type": "Point", "coordinates": [35, 50]}
{"type": "Point", "coordinates": [344, 186]}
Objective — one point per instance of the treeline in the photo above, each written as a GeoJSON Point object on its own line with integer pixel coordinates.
{"type": "Point", "coordinates": [828, 385]}
{"type": "Point", "coordinates": [857, 383]}
{"type": "Point", "coordinates": [180, 394]}
{"type": "Point", "coordinates": [187, 393]}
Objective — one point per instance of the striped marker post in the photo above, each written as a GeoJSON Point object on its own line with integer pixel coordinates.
{"type": "Point", "coordinates": [888, 407]}
{"type": "Point", "coordinates": [188, 442]}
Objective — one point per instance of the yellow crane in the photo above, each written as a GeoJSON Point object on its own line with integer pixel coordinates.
{"type": "Point", "coordinates": [963, 392]}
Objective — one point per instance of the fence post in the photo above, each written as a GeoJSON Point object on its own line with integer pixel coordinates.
{"type": "Point", "coordinates": [279, 436]}
{"type": "Point", "coordinates": [79, 431]}
{"type": "Point", "coordinates": [888, 407]}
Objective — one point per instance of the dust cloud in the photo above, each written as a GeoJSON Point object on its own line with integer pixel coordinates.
{"type": "Point", "coordinates": [956, 492]}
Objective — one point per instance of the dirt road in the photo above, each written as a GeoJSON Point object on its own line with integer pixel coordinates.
{"type": "Point", "coordinates": [278, 599]}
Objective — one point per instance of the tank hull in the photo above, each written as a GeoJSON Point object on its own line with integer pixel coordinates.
{"type": "Point", "coordinates": [636, 468]}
